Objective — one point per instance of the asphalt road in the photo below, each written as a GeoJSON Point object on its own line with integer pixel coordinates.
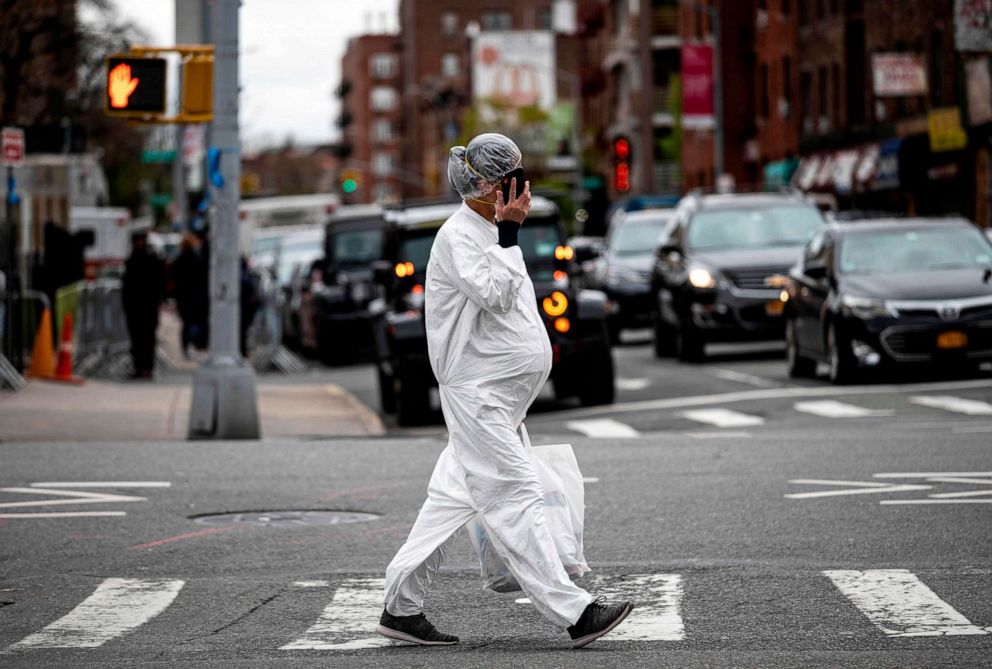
{"type": "Point", "coordinates": [787, 525]}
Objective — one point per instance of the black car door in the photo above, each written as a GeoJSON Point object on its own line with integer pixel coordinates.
{"type": "Point", "coordinates": [812, 293]}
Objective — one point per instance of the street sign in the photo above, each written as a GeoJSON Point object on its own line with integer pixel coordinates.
{"type": "Point", "coordinates": [13, 147]}
{"type": "Point", "coordinates": [135, 85]}
{"type": "Point", "coordinates": [945, 131]}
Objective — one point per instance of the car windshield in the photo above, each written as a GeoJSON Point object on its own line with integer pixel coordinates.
{"type": "Point", "coordinates": [914, 250]}
{"type": "Point", "coordinates": [753, 228]}
{"type": "Point", "coordinates": [538, 240]}
{"type": "Point", "coordinates": [415, 247]}
{"type": "Point", "coordinates": [637, 237]}
{"type": "Point", "coordinates": [297, 253]}
{"type": "Point", "coordinates": [357, 247]}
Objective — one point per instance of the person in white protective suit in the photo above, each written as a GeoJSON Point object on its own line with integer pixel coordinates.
{"type": "Point", "coordinates": [490, 352]}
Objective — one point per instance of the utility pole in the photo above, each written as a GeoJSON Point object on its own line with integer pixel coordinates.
{"type": "Point", "coordinates": [718, 167]}
{"type": "Point", "coordinates": [179, 179]}
{"type": "Point", "coordinates": [224, 402]}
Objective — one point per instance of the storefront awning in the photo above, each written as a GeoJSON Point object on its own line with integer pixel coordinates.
{"type": "Point", "coordinates": [779, 173]}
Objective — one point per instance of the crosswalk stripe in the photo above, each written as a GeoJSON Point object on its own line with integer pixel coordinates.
{"type": "Point", "coordinates": [632, 384]}
{"type": "Point", "coordinates": [349, 621]}
{"type": "Point", "coordinates": [116, 607]}
{"type": "Point", "coordinates": [900, 604]}
{"type": "Point", "coordinates": [954, 404]}
{"type": "Point", "coordinates": [603, 427]}
{"type": "Point", "coordinates": [723, 417]}
{"type": "Point", "coordinates": [835, 409]}
{"type": "Point", "coordinates": [657, 615]}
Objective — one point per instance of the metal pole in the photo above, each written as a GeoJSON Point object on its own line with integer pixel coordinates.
{"type": "Point", "coordinates": [224, 402]}
{"type": "Point", "coordinates": [179, 180]}
{"type": "Point", "coordinates": [577, 140]}
{"type": "Point", "coordinates": [10, 268]}
{"type": "Point", "coordinates": [718, 167]}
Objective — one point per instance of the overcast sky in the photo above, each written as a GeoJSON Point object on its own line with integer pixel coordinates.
{"type": "Point", "coordinates": [290, 59]}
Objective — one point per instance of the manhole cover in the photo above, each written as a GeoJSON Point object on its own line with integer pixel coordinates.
{"type": "Point", "coordinates": [286, 518]}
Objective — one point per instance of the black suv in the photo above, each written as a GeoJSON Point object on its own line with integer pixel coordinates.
{"type": "Point", "coordinates": [576, 319]}
{"type": "Point", "coordinates": [720, 273]}
{"type": "Point", "coordinates": [344, 294]}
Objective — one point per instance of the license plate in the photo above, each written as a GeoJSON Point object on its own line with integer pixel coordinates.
{"type": "Point", "coordinates": [774, 307]}
{"type": "Point", "coordinates": [953, 339]}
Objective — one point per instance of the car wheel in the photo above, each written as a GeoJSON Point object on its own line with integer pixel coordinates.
{"type": "Point", "coordinates": [412, 400]}
{"type": "Point", "coordinates": [664, 338]}
{"type": "Point", "coordinates": [799, 367]}
{"type": "Point", "coordinates": [387, 392]}
{"type": "Point", "coordinates": [689, 343]}
{"type": "Point", "coordinates": [843, 367]}
{"type": "Point", "coordinates": [598, 378]}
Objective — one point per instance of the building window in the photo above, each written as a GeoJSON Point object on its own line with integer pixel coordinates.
{"type": "Point", "coordinates": [450, 65]}
{"type": "Point", "coordinates": [699, 22]}
{"type": "Point", "coordinates": [544, 19]}
{"type": "Point", "coordinates": [382, 164]}
{"type": "Point", "coordinates": [936, 68]}
{"type": "Point", "coordinates": [835, 107]}
{"type": "Point", "coordinates": [821, 9]}
{"type": "Point", "coordinates": [383, 65]}
{"type": "Point", "coordinates": [382, 130]}
{"type": "Point", "coordinates": [383, 98]}
{"type": "Point", "coordinates": [498, 20]}
{"type": "Point", "coordinates": [804, 12]}
{"type": "Point", "coordinates": [822, 86]}
{"type": "Point", "coordinates": [449, 23]}
{"type": "Point", "coordinates": [806, 101]}
{"type": "Point", "coordinates": [787, 84]}
{"type": "Point", "coordinates": [763, 93]}
{"type": "Point", "coordinates": [786, 7]}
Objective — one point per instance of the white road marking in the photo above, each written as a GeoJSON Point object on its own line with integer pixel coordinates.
{"type": "Point", "coordinates": [522, 600]}
{"type": "Point", "coordinates": [741, 377]}
{"type": "Point", "coordinates": [311, 584]}
{"type": "Point", "coordinates": [657, 615]}
{"type": "Point", "coordinates": [349, 621]}
{"type": "Point", "coordinates": [935, 501]}
{"type": "Point", "coordinates": [718, 435]}
{"type": "Point", "coordinates": [590, 479]}
{"type": "Point", "coordinates": [74, 497]}
{"type": "Point", "coordinates": [116, 607]}
{"type": "Point", "coordinates": [954, 404]}
{"type": "Point", "coordinates": [66, 514]}
{"type": "Point", "coordinates": [603, 427]}
{"type": "Point", "coordinates": [835, 409]}
{"type": "Point", "coordinates": [632, 384]}
{"type": "Point", "coordinates": [900, 604]}
{"type": "Point", "coordinates": [102, 484]}
{"type": "Point", "coordinates": [923, 475]}
{"type": "Point", "coordinates": [723, 417]}
{"type": "Point", "coordinates": [851, 488]}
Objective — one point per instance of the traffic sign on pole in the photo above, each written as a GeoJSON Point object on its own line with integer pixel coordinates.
{"type": "Point", "coordinates": [13, 147]}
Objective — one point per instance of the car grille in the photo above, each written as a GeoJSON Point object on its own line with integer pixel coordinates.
{"type": "Point", "coordinates": [754, 279]}
{"type": "Point", "coordinates": [917, 342]}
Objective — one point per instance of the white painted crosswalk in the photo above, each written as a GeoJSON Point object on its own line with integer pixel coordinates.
{"type": "Point", "coordinates": [603, 427]}
{"type": "Point", "coordinates": [963, 405]}
{"type": "Point", "coordinates": [835, 409]}
{"type": "Point", "coordinates": [896, 602]}
{"type": "Point", "coordinates": [723, 417]}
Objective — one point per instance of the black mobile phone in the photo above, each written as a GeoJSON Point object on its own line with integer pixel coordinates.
{"type": "Point", "coordinates": [508, 178]}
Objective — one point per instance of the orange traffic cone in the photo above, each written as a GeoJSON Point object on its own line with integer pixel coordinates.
{"type": "Point", "coordinates": [43, 353]}
{"type": "Point", "coordinates": [63, 372]}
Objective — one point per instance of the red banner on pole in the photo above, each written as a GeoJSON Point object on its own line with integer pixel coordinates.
{"type": "Point", "coordinates": [697, 85]}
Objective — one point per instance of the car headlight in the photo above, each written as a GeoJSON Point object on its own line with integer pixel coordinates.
{"type": "Point", "coordinates": [865, 307]}
{"type": "Point", "coordinates": [700, 277]}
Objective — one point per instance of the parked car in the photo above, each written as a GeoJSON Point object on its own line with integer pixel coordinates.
{"type": "Point", "coordinates": [345, 288]}
{"type": "Point", "coordinates": [575, 318]}
{"type": "Point", "coordinates": [297, 254]}
{"type": "Point", "coordinates": [626, 266]}
{"type": "Point", "coordinates": [881, 293]}
{"type": "Point", "coordinates": [719, 274]}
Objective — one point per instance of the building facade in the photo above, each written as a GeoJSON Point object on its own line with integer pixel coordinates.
{"type": "Point", "coordinates": [371, 120]}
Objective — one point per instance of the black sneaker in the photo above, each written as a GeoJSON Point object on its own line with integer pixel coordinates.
{"type": "Point", "coordinates": [598, 619]}
{"type": "Point", "coordinates": [415, 629]}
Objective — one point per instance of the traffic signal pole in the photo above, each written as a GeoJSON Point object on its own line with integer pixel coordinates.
{"type": "Point", "coordinates": [224, 402]}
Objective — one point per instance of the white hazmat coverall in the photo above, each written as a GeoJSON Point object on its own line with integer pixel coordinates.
{"type": "Point", "coordinates": [490, 353]}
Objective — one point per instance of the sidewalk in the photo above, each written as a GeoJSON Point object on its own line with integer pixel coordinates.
{"type": "Point", "coordinates": [103, 411]}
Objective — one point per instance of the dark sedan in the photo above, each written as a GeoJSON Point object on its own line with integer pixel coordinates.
{"type": "Point", "coordinates": [719, 274]}
{"type": "Point", "coordinates": [626, 266]}
{"type": "Point", "coordinates": [875, 294]}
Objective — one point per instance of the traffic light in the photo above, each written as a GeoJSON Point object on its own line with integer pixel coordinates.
{"type": "Point", "coordinates": [135, 85]}
{"type": "Point", "coordinates": [351, 181]}
{"type": "Point", "coordinates": [198, 85]}
{"type": "Point", "coordinates": [621, 165]}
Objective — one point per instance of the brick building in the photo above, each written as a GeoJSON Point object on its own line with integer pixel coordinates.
{"type": "Point", "coordinates": [641, 65]}
{"type": "Point", "coordinates": [371, 118]}
{"type": "Point", "coordinates": [775, 85]}
{"type": "Point", "coordinates": [737, 65]}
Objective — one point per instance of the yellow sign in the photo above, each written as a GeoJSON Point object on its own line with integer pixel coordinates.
{"type": "Point", "coordinates": [944, 128]}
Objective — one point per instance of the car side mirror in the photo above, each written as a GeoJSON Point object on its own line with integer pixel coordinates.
{"type": "Point", "coordinates": [382, 272]}
{"type": "Point", "coordinates": [815, 270]}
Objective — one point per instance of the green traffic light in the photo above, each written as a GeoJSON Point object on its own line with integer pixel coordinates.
{"type": "Point", "coordinates": [349, 185]}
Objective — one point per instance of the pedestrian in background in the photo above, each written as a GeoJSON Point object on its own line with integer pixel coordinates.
{"type": "Point", "coordinates": [142, 292]}
{"type": "Point", "coordinates": [189, 274]}
{"type": "Point", "coordinates": [249, 303]}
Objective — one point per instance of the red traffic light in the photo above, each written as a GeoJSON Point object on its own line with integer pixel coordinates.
{"type": "Point", "coordinates": [621, 165]}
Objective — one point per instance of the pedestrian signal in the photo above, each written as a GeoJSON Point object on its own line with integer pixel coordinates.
{"type": "Point", "coordinates": [135, 85]}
